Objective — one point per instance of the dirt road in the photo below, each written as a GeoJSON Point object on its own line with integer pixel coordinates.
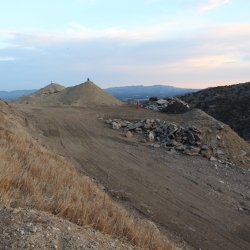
{"type": "Point", "coordinates": [205, 205]}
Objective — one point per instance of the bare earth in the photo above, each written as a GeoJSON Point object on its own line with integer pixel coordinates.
{"type": "Point", "coordinates": [204, 205]}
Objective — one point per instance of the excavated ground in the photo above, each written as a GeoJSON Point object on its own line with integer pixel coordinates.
{"type": "Point", "coordinates": [205, 205]}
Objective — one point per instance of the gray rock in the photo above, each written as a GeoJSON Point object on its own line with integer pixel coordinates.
{"type": "Point", "coordinates": [218, 137]}
{"type": "Point", "coordinates": [219, 152]}
{"type": "Point", "coordinates": [242, 153]}
{"type": "Point", "coordinates": [138, 130]}
{"type": "Point", "coordinates": [159, 130]}
{"type": "Point", "coordinates": [135, 125]}
{"type": "Point", "coordinates": [122, 123]}
{"type": "Point", "coordinates": [220, 126]}
{"type": "Point", "coordinates": [108, 121]}
{"type": "Point", "coordinates": [179, 147]}
{"type": "Point", "coordinates": [192, 150]}
{"type": "Point", "coordinates": [204, 147]}
{"type": "Point", "coordinates": [212, 159]}
{"type": "Point", "coordinates": [173, 130]}
{"type": "Point", "coordinates": [197, 137]}
{"type": "Point", "coordinates": [151, 136]}
{"type": "Point", "coordinates": [115, 125]}
{"type": "Point", "coordinates": [161, 101]}
{"type": "Point", "coordinates": [190, 137]}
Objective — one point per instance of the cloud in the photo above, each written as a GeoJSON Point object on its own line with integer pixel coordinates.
{"type": "Point", "coordinates": [118, 56]}
{"type": "Point", "coordinates": [210, 4]}
{"type": "Point", "coordinates": [36, 37]}
{"type": "Point", "coordinates": [7, 58]}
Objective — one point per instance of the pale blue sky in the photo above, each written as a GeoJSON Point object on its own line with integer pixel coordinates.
{"type": "Point", "coordinates": [182, 43]}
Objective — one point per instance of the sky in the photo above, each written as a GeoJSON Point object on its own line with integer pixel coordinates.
{"type": "Point", "coordinates": [181, 43]}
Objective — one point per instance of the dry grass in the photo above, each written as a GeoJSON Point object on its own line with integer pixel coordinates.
{"type": "Point", "coordinates": [32, 177]}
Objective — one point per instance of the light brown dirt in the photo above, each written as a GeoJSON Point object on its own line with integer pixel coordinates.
{"type": "Point", "coordinates": [205, 205]}
{"type": "Point", "coordinates": [32, 229]}
{"type": "Point", "coordinates": [84, 94]}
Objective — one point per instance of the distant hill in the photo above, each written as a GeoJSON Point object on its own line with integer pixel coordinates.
{"type": "Point", "coordinates": [229, 104]}
{"type": "Point", "coordinates": [144, 92]}
{"type": "Point", "coordinates": [11, 95]}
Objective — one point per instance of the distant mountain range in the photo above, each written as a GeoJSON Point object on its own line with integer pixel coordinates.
{"type": "Point", "coordinates": [145, 92]}
{"type": "Point", "coordinates": [123, 93]}
{"type": "Point", "coordinates": [6, 96]}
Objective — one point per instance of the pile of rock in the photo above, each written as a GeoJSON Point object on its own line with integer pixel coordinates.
{"type": "Point", "coordinates": [161, 134]}
{"type": "Point", "coordinates": [158, 104]}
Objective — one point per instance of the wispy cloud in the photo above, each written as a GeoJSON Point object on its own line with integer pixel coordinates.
{"type": "Point", "coordinates": [210, 4]}
{"type": "Point", "coordinates": [32, 37]}
{"type": "Point", "coordinates": [7, 58]}
{"type": "Point", "coordinates": [146, 55]}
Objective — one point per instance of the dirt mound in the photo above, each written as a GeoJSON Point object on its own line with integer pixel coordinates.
{"type": "Point", "coordinates": [85, 94]}
{"type": "Point", "coordinates": [39, 230]}
{"type": "Point", "coordinates": [197, 114]}
{"type": "Point", "coordinates": [41, 96]}
{"type": "Point", "coordinates": [228, 104]}
{"type": "Point", "coordinates": [176, 108]}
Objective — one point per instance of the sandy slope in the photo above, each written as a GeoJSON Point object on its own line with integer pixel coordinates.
{"type": "Point", "coordinates": [204, 204]}
{"type": "Point", "coordinates": [85, 94]}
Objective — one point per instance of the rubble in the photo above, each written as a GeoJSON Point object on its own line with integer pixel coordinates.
{"type": "Point", "coordinates": [188, 139]}
{"type": "Point", "coordinates": [181, 138]}
{"type": "Point", "coordinates": [170, 105]}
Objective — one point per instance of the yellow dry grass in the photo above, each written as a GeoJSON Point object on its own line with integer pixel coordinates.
{"type": "Point", "coordinates": [32, 177]}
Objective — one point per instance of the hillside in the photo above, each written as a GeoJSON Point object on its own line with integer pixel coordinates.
{"type": "Point", "coordinates": [229, 104]}
{"type": "Point", "coordinates": [199, 200]}
{"type": "Point", "coordinates": [41, 96]}
{"type": "Point", "coordinates": [36, 185]}
{"type": "Point", "coordinates": [85, 94]}
{"type": "Point", "coordinates": [144, 92]}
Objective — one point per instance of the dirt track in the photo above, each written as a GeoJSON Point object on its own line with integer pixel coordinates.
{"type": "Point", "coordinates": [207, 206]}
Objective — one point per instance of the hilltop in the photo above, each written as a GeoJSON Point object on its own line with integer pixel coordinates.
{"type": "Point", "coordinates": [229, 104]}
{"type": "Point", "coordinates": [85, 94]}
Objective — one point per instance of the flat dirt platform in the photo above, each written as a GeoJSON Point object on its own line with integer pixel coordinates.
{"type": "Point", "coordinates": [205, 205]}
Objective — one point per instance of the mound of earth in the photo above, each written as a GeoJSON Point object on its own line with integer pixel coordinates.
{"type": "Point", "coordinates": [40, 96]}
{"type": "Point", "coordinates": [32, 229]}
{"type": "Point", "coordinates": [85, 94]}
{"type": "Point", "coordinates": [176, 108]}
{"type": "Point", "coordinates": [229, 104]}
